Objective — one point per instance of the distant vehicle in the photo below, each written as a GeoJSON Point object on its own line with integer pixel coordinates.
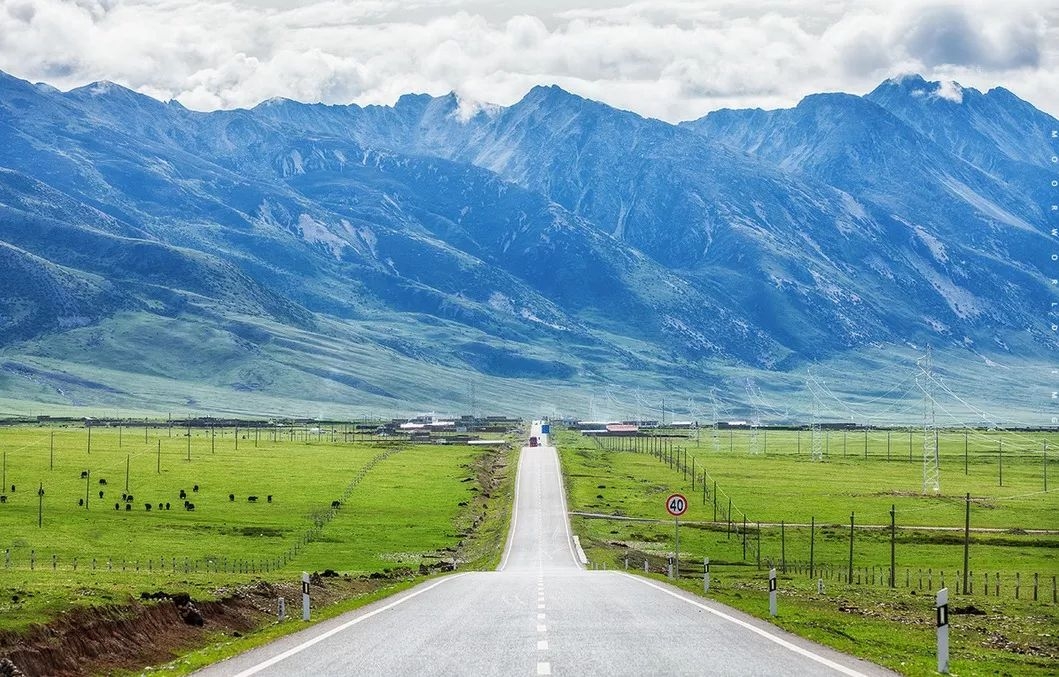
{"type": "Point", "coordinates": [533, 441]}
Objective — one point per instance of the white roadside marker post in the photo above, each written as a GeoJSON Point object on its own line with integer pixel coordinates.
{"type": "Point", "coordinates": [941, 608]}
{"type": "Point", "coordinates": [282, 612]}
{"type": "Point", "coordinates": [772, 591]}
{"type": "Point", "coordinates": [705, 574]}
{"type": "Point", "coordinates": [305, 596]}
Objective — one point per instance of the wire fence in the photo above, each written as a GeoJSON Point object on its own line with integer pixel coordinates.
{"type": "Point", "coordinates": [32, 560]}
{"type": "Point", "coordinates": [736, 523]}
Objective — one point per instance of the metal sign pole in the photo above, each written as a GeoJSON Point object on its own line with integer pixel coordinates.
{"type": "Point", "coordinates": [676, 548]}
{"type": "Point", "coordinates": [942, 611]}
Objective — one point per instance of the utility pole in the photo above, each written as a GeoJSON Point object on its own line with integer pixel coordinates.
{"type": "Point", "coordinates": [849, 580]}
{"type": "Point", "coordinates": [715, 433]}
{"type": "Point", "coordinates": [966, 540]}
{"type": "Point", "coordinates": [893, 540]}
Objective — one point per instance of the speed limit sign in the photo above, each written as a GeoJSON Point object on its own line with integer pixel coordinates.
{"type": "Point", "coordinates": [676, 504]}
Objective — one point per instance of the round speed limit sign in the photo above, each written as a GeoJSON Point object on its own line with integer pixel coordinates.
{"type": "Point", "coordinates": [676, 505]}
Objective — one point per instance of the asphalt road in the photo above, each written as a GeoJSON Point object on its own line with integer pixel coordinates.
{"type": "Point", "coordinates": [542, 613]}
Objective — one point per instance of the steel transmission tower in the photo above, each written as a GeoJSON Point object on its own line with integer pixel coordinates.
{"type": "Point", "coordinates": [931, 465]}
{"type": "Point", "coordinates": [754, 445]}
{"type": "Point", "coordinates": [715, 432]}
{"type": "Point", "coordinates": [816, 438]}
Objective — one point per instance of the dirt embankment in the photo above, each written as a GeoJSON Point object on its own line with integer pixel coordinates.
{"type": "Point", "coordinates": [86, 641]}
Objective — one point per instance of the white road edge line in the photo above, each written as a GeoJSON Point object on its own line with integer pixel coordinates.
{"type": "Point", "coordinates": [566, 517]}
{"type": "Point", "coordinates": [514, 513]}
{"type": "Point", "coordinates": [753, 628]}
{"type": "Point", "coordinates": [334, 631]}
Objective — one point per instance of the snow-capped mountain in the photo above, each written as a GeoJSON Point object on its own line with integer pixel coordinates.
{"type": "Point", "coordinates": [390, 256]}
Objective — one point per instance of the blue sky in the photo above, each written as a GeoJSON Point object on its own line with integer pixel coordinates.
{"type": "Point", "coordinates": [670, 59]}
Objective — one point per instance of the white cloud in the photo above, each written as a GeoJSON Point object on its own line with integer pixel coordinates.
{"type": "Point", "coordinates": [950, 91]}
{"type": "Point", "coordinates": [672, 59]}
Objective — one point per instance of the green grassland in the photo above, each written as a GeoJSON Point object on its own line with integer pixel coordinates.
{"type": "Point", "coordinates": [782, 485]}
{"type": "Point", "coordinates": [402, 507]}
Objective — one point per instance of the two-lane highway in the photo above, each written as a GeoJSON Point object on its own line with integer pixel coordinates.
{"type": "Point", "coordinates": [542, 613]}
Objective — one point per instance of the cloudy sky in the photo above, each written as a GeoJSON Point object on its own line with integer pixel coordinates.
{"type": "Point", "coordinates": [671, 59]}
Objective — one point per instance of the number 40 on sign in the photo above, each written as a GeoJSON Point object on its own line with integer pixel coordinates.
{"type": "Point", "coordinates": [676, 504]}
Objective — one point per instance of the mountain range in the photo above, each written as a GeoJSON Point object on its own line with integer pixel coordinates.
{"type": "Point", "coordinates": [556, 255]}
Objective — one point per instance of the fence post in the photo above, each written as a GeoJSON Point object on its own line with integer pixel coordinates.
{"type": "Point", "coordinates": [759, 545]}
{"type": "Point", "coordinates": [744, 536]}
{"type": "Point", "coordinates": [729, 515]}
{"type": "Point", "coordinates": [850, 581]}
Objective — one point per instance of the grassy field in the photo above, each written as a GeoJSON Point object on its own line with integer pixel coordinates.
{"type": "Point", "coordinates": [890, 626]}
{"type": "Point", "coordinates": [403, 507]}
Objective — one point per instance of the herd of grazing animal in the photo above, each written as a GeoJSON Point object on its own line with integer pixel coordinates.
{"type": "Point", "coordinates": [127, 499]}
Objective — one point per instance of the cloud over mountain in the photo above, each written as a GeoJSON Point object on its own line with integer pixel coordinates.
{"type": "Point", "coordinates": [672, 59]}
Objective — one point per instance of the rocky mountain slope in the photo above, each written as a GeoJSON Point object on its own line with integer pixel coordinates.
{"type": "Point", "coordinates": [340, 258]}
